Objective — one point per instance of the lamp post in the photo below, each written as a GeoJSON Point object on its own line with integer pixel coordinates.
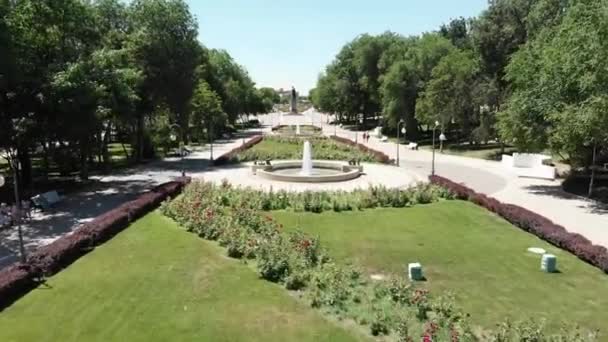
{"type": "Point", "coordinates": [433, 163]}
{"type": "Point", "coordinates": [401, 122]}
{"type": "Point", "coordinates": [16, 213]}
{"type": "Point", "coordinates": [181, 151]}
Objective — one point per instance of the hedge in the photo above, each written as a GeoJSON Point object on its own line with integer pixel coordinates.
{"type": "Point", "coordinates": [533, 223]}
{"type": "Point", "coordinates": [228, 156]}
{"type": "Point", "coordinates": [380, 156]}
{"type": "Point", "coordinates": [19, 278]}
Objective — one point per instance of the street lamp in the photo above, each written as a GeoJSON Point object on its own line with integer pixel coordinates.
{"type": "Point", "coordinates": [401, 122]}
{"type": "Point", "coordinates": [181, 151]}
{"type": "Point", "coordinates": [433, 163]}
{"type": "Point", "coordinates": [16, 213]}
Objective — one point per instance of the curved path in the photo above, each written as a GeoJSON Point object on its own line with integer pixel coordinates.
{"type": "Point", "coordinates": [576, 214]}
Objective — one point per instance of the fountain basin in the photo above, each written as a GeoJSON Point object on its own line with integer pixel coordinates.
{"type": "Point", "coordinates": [322, 171]}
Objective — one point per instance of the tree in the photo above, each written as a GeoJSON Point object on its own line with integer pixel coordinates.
{"type": "Point", "coordinates": [561, 88]}
{"type": "Point", "coordinates": [165, 48]}
{"type": "Point", "coordinates": [457, 31]}
{"type": "Point", "coordinates": [408, 77]}
{"type": "Point", "coordinates": [448, 94]}
{"type": "Point", "coordinates": [207, 113]}
{"type": "Point", "coordinates": [46, 36]}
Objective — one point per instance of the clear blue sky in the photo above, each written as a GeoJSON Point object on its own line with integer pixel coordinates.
{"type": "Point", "coordinates": [285, 43]}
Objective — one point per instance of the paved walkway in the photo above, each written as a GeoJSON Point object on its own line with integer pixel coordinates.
{"type": "Point", "coordinates": [576, 214]}
{"type": "Point", "coordinates": [544, 197]}
{"type": "Point", "coordinates": [108, 192]}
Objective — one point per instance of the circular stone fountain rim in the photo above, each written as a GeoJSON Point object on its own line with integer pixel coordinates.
{"type": "Point", "coordinates": [349, 172]}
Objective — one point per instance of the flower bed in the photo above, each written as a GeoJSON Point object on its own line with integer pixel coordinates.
{"type": "Point", "coordinates": [18, 279]}
{"type": "Point", "coordinates": [532, 223]}
{"type": "Point", "coordinates": [298, 262]}
{"type": "Point", "coordinates": [229, 156]}
{"type": "Point", "coordinates": [290, 148]}
{"type": "Point", "coordinates": [379, 156]}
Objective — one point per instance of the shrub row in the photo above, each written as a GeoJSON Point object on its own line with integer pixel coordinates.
{"type": "Point", "coordinates": [228, 156]}
{"type": "Point", "coordinates": [320, 201]}
{"type": "Point", "coordinates": [299, 262]}
{"type": "Point", "coordinates": [532, 223]}
{"type": "Point", "coordinates": [18, 279]}
{"type": "Point", "coordinates": [379, 156]}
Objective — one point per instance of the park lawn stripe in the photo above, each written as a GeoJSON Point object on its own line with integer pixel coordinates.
{"type": "Point", "coordinates": [156, 282]}
{"type": "Point", "coordinates": [464, 249]}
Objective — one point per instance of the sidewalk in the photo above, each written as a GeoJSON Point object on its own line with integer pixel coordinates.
{"type": "Point", "coordinates": [108, 192]}
{"type": "Point", "coordinates": [576, 214]}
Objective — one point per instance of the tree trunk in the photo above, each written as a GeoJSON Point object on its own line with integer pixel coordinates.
{"type": "Point", "coordinates": [140, 138]}
{"type": "Point", "coordinates": [592, 179]}
{"type": "Point", "coordinates": [84, 158]}
{"type": "Point", "coordinates": [25, 161]}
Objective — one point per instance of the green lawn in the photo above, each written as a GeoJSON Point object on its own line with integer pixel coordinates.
{"type": "Point", "coordinates": [481, 258]}
{"type": "Point", "coordinates": [155, 282]}
{"type": "Point", "coordinates": [277, 148]}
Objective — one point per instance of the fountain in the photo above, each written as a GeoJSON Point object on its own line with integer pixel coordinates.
{"type": "Point", "coordinates": [308, 170]}
{"type": "Point", "coordinates": [306, 159]}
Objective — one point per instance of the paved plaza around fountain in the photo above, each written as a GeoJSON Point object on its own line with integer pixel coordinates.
{"type": "Point", "coordinates": [373, 174]}
{"type": "Point", "coordinates": [585, 217]}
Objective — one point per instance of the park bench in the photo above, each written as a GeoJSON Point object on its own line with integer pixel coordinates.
{"type": "Point", "coordinates": [47, 200]}
{"type": "Point", "coordinates": [412, 146]}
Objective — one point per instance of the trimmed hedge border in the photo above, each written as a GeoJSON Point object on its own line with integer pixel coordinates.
{"type": "Point", "coordinates": [381, 157]}
{"type": "Point", "coordinates": [227, 157]}
{"type": "Point", "coordinates": [533, 223]}
{"type": "Point", "coordinates": [18, 279]}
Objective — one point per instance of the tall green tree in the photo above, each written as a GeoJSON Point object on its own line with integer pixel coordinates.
{"type": "Point", "coordinates": [408, 78]}
{"type": "Point", "coordinates": [561, 88]}
{"type": "Point", "coordinates": [165, 47]}
{"type": "Point", "coordinates": [448, 96]}
{"type": "Point", "coordinates": [207, 113]}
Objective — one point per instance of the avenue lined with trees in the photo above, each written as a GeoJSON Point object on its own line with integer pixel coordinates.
{"type": "Point", "coordinates": [527, 73]}
{"type": "Point", "coordinates": [76, 76]}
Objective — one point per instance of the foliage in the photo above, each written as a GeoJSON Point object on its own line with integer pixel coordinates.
{"type": "Point", "coordinates": [207, 113]}
{"type": "Point", "coordinates": [448, 95]}
{"type": "Point", "coordinates": [76, 75]}
{"type": "Point", "coordinates": [298, 261]}
{"type": "Point", "coordinates": [563, 106]}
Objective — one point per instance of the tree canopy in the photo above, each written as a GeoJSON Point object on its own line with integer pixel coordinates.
{"type": "Point", "coordinates": [76, 75]}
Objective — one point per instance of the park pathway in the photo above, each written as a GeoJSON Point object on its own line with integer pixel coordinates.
{"type": "Point", "coordinates": [576, 214]}
{"type": "Point", "coordinates": [107, 192]}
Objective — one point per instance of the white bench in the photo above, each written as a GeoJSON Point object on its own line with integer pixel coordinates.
{"type": "Point", "coordinates": [412, 146]}
{"type": "Point", "coordinates": [46, 200]}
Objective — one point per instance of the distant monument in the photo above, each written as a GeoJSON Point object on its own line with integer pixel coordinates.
{"type": "Point", "coordinates": [293, 108]}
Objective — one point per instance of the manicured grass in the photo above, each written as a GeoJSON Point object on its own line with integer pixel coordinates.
{"type": "Point", "coordinates": [277, 148]}
{"type": "Point", "coordinates": [156, 282]}
{"type": "Point", "coordinates": [481, 258]}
